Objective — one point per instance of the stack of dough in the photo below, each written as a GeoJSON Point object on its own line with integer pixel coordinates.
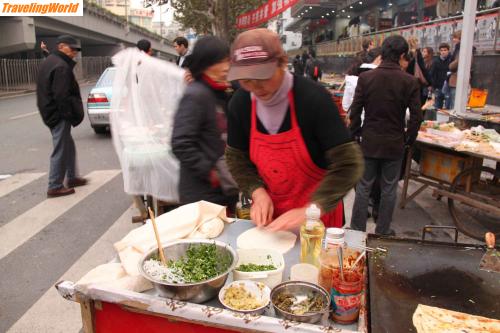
{"type": "Point", "coordinates": [281, 241]}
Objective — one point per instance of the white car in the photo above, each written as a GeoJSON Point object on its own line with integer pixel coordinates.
{"type": "Point", "coordinates": [99, 101]}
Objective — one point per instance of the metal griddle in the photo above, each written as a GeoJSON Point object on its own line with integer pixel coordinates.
{"type": "Point", "coordinates": [413, 272]}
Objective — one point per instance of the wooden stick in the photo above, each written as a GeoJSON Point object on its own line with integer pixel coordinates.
{"type": "Point", "coordinates": [160, 248]}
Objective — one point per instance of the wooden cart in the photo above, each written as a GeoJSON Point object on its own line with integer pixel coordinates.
{"type": "Point", "coordinates": [472, 189]}
{"type": "Point", "coordinates": [111, 310]}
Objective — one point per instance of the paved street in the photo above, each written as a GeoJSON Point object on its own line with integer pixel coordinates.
{"type": "Point", "coordinates": [43, 241]}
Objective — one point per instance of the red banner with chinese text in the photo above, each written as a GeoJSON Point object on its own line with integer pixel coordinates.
{"type": "Point", "coordinates": [263, 14]}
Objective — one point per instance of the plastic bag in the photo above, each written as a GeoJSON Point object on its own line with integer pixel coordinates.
{"type": "Point", "coordinates": [146, 93]}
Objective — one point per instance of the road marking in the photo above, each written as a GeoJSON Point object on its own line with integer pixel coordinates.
{"type": "Point", "coordinates": [52, 313]}
{"type": "Point", "coordinates": [24, 115]}
{"type": "Point", "coordinates": [25, 226]}
{"type": "Point", "coordinates": [17, 181]}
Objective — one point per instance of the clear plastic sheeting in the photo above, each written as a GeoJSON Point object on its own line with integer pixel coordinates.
{"type": "Point", "coordinates": [146, 93]}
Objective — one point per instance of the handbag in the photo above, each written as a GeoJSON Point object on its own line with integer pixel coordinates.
{"type": "Point", "coordinates": [419, 75]}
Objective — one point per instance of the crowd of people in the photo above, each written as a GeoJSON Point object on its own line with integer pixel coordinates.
{"type": "Point", "coordinates": [436, 73]}
{"type": "Point", "coordinates": [307, 65]}
{"type": "Point", "coordinates": [247, 124]}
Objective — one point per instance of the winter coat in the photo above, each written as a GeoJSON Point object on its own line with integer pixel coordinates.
{"type": "Point", "coordinates": [383, 131]}
{"type": "Point", "coordinates": [198, 143]}
{"type": "Point", "coordinates": [439, 71]}
{"type": "Point", "coordinates": [57, 91]}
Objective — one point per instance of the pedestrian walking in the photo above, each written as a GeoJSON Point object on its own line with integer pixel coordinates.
{"type": "Point", "coordinates": [200, 127]}
{"type": "Point", "coordinates": [382, 134]}
{"type": "Point", "coordinates": [453, 69]}
{"type": "Point", "coordinates": [361, 57]}
{"type": "Point", "coordinates": [439, 74]}
{"type": "Point", "coordinates": [373, 59]}
{"type": "Point", "coordinates": [287, 145]}
{"type": "Point", "coordinates": [145, 46]}
{"type": "Point", "coordinates": [181, 46]}
{"type": "Point", "coordinates": [60, 105]}
{"type": "Point", "coordinates": [298, 68]}
{"type": "Point", "coordinates": [313, 68]}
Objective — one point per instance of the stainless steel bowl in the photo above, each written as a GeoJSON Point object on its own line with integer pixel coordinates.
{"type": "Point", "coordinates": [198, 292]}
{"type": "Point", "coordinates": [301, 288]}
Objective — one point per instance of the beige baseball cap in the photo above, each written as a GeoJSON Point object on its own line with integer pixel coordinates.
{"type": "Point", "coordinates": [255, 55]}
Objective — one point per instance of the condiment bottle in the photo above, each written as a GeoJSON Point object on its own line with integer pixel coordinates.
{"type": "Point", "coordinates": [329, 257]}
{"type": "Point", "coordinates": [243, 207]}
{"type": "Point", "coordinates": [312, 233]}
{"type": "Point", "coordinates": [344, 285]}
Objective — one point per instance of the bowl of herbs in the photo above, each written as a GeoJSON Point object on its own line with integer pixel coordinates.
{"type": "Point", "coordinates": [195, 272]}
{"type": "Point", "coordinates": [260, 265]}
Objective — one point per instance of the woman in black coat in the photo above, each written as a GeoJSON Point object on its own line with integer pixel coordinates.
{"type": "Point", "coordinates": [200, 127]}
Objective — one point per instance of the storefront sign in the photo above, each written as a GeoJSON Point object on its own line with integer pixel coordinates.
{"type": "Point", "coordinates": [445, 31]}
{"type": "Point", "coordinates": [431, 36]}
{"type": "Point", "coordinates": [263, 14]}
{"type": "Point", "coordinates": [484, 36]}
{"type": "Point", "coordinates": [419, 33]}
{"type": "Point", "coordinates": [141, 12]}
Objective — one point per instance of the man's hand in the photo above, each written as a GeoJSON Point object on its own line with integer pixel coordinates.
{"type": "Point", "coordinates": [262, 209]}
{"type": "Point", "coordinates": [188, 77]}
{"type": "Point", "coordinates": [43, 46]}
{"type": "Point", "coordinates": [291, 220]}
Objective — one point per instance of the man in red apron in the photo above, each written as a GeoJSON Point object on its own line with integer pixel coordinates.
{"type": "Point", "coordinates": [287, 145]}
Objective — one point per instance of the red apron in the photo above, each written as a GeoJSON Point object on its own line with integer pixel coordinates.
{"type": "Point", "coordinates": [286, 167]}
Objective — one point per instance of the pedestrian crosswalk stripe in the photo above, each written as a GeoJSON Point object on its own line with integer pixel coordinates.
{"type": "Point", "coordinates": [25, 226]}
{"type": "Point", "coordinates": [17, 181]}
{"type": "Point", "coordinates": [55, 314]}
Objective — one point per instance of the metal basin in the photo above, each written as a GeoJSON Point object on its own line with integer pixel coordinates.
{"type": "Point", "coordinates": [301, 288]}
{"type": "Point", "coordinates": [198, 292]}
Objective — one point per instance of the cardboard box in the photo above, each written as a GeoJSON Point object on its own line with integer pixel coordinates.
{"type": "Point", "coordinates": [444, 166]}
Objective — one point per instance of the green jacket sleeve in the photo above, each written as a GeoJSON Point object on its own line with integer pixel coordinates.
{"type": "Point", "coordinates": [243, 170]}
{"type": "Point", "coordinates": [345, 168]}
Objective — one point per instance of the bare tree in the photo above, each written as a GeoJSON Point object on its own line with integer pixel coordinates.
{"type": "Point", "coordinates": [216, 17]}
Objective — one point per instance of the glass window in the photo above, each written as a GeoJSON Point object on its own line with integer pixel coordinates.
{"type": "Point", "coordinates": [106, 80]}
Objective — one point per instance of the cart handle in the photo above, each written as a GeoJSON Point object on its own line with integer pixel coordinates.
{"type": "Point", "coordinates": [428, 228]}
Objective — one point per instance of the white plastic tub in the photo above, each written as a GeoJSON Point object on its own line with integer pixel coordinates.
{"type": "Point", "coordinates": [261, 257]}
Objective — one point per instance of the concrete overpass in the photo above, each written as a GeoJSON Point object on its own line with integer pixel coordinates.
{"type": "Point", "coordinates": [100, 32]}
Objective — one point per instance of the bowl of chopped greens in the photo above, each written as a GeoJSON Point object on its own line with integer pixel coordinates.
{"type": "Point", "coordinates": [300, 301]}
{"type": "Point", "coordinates": [260, 265]}
{"type": "Point", "coordinates": [196, 269]}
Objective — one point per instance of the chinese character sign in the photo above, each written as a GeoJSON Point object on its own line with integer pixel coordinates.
{"type": "Point", "coordinates": [263, 14]}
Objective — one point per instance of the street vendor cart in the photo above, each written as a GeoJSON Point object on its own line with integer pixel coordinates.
{"type": "Point", "coordinates": [106, 309]}
{"type": "Point", "coordinates": [472, 189]}
{"type": "Point", "coordinates": [409, 273]}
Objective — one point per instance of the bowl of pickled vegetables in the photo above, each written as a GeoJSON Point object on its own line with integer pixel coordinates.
{"type": "Point", "coordinates": [300, 301]}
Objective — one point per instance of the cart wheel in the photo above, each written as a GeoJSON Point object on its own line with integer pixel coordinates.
{"type": "Point", "coordinates": [469, 220]}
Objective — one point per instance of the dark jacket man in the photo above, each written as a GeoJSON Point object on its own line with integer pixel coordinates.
{"type": "Point", "coordinates": [439, 71]}
{"type": "Point", "coordinates": [58, 93]}
{"type": "Point", "coordinates": [385, 93]}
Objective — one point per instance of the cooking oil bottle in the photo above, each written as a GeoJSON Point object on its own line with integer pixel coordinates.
{"type": "Point", "coordinates": [312, 233]}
